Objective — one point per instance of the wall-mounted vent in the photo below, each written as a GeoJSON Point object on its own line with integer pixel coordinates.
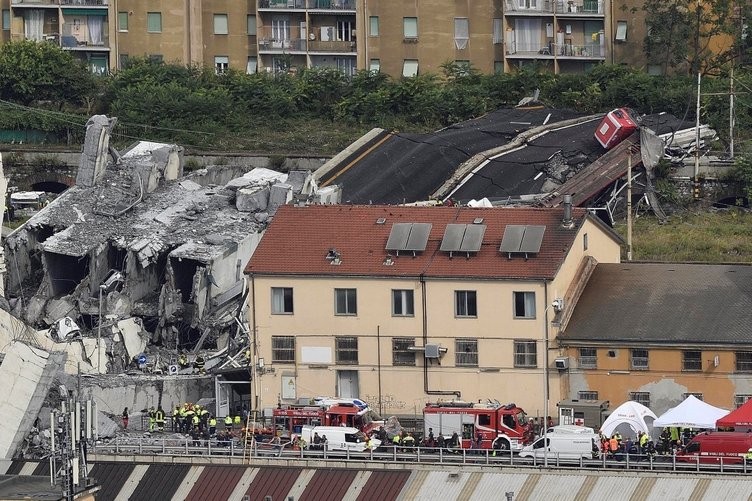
{"type": "Point", "coordinates": [522, 239]}
{"type": "Point", "coordinates": [465, 238]}
{"type": "Point", "coordinates": [408, 237]}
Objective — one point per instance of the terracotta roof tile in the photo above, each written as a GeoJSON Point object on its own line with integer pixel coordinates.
{"type": "Point", "coordinates": [299, 238]}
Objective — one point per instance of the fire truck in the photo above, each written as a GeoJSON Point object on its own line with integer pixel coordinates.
{"type": "Point", "coordinates": [325, 411]}
{"type": "Point", "coordinates": [499, 427]}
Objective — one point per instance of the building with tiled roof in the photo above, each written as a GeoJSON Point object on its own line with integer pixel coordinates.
{"type": "Point", "coordinates": [401, 305]}
{"type": "Point", "coordinates": [657, 332]}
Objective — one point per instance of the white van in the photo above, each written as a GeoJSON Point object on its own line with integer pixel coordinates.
{"type": "Point", "coordinates": [571, 429]}
{"type": "Point", "coordinates": [339, 438]}
{"type": "Point", "coordinates": [566, 445]}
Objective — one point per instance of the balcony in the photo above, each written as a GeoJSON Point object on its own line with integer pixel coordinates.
{"type": "Point", "coordinates": [282, 4]}
{"type": "Point", "coordinates": [332, 47]}
{"type": "Point", "coordinates": [338, 5]}
{"type": "Point", "coordinates": [561, 51]}
{"type": "Point", "coordinates": [84, 3]}
{"type": "Point", "coordinates": [563, 8]}
{"type": "Point", "coordinates": [325, 5]}
{"type": "Point", "coordinates": [34, 4]}
{"type": "Point", "coordinates": [281, 46]}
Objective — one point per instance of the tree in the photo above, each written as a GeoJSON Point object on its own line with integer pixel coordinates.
{"type": "Point", "coordinates": [693, 35]}
{"type": "Point", "coordinates": [41, 71]}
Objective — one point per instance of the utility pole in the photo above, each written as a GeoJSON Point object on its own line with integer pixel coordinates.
{"type": "Point", "coordinates": [696, 190]}
{"type": "Point", "coordinates": [629, 204]}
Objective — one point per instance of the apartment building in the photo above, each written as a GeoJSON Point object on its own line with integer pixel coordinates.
{"type": "Point", "coordinates": [403, 305]}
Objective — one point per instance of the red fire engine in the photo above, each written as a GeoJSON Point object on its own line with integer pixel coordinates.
{"type": "Point", "coordinates": [290, 419]}
{"type": "Point", "coordinates": [500, 427]}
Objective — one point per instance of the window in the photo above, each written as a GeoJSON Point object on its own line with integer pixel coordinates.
{"type": "Point", "coordinates": [344, 30]}
{"type": "Point", "coordinates": [696, 395]}
{"type": "Point", "coordinates": [621, 31]}
{"type": "Point", "coordinates": [220, 24]}
{"type": "Point", "coordinates": [692, 361]}
{"type": "Point", "coordinates": [461, 32]}
{"type": "Point", "coordinates": [402, 303]}
{"type": "Point", "coordinates": [584, 242]}
{"type": "Point", "coordinates": [123, 60]}
{"type": "Point", "coordinates": [741, 399]}
{"type": "Point", "coordinates": [156, 58]}
{"type": "Point", "coordinates": [6, 19]}
{"type": "Point", "coordinates": [283, 349]}
{"type": "Point", "coordinates": [587, 395]}
{"type": "Point", "coordinates": [373, 26]}
{"type": "Point", "coordinates": [154, 22]}
{"type": "Point", "coordinates": [345, 302]}
{"type": "Point", "coordinates": [466, 352]}
{"type": "Point", "coordinates": [588, 358]}
{"type": "Point", "coordinates": [346, 350]}
{"type": "Point", "coordinates": [525, 354]}
{"type": "Point", "coordinates": [252, 66]}
{"type": "Point", "coordinates": [280, 28]}
{"type": "Point", "coordinates": [401, 353]}
{"type": "Point", "coordinates": [251, 22]}
{"type": "Point", "coordinates": [498, 34]}
{"type": "Point", "coordinates": [282, 300]}
{"type": "Point", "coordinates": [410, 27]}
{"type": "Point", "coordinates": [374, 65]}
{"type": "Point", "coordinates": [465, 304]}
{"type": "Point", "coordinates": [641, 397]}
{"type": "Point", "coordinates": [410, 68]}
{"type": "Point", "coordinates": [221, 63]}
{"type": "Point", "coordinates": [122, 21]}
{"type": "Point", "coordinates": [744, 361]}
{"type": "Point", "coordinates": [640, 359]}
{"type": "Point", "coordinates": [524, 305]}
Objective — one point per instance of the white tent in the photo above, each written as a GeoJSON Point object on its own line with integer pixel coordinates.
{"type": "Point", "coordinates": [629, 418]}
{"type": "Point", "coordinates": [691, 413]}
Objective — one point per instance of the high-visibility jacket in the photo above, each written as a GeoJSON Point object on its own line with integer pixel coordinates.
{"type": "Point", "coordinates": [212, 423]}
{"type": "Point", "coordinates": [644, 439]}
{"type": "Point", "coordinates": [159, 416]}
{"type": "Point", "coordinates": [236, 420]}
{"type": "Point", "coordinates": [228, 420]}
{"type": "Point", "coordinates": [396, 440]}
{"type": "Point", "coordinates": [195, 420]}
{"type": "Point", "coordinates": [613, 444]}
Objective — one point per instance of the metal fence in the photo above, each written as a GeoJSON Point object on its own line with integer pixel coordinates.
{"type": "Point", "coordinates": [418, 455]}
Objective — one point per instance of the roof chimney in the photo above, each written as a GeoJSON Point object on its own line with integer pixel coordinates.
{"type": "Point", "coordinates": [567, 222]}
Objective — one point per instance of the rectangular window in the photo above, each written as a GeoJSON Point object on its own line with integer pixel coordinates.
{"type": "Point", "coordinates": [744, 361]}
{"type": "Point", "coordinates": [525, 354]}
{"type": "Point", "coordinates": [461, 32]}
{"type": "Point", "coordinates": [374, 65]}
{"type": "Point", "coordinates": [640, 359]}
{"type": "Point", "coordinates": [122, 21]}
{"type": "Point", "coordinates": [588, 358]}
{"type": "Point", "coordinates": [346, 350]}
{"type": "Point", "coordinates": [741, 399]}
{"type": "Point", "coordinates": [373, 26]}
{"type": "Point", "coordinates": [220, 24]}
{"type": "Point", "coordinates": [410, 68]}
{"type": "Point", "coordinates": [282, 301]}
{"type": "Point", "coordinates": [251, 22]}
{"type": "Point", "coordinates": [692, 360]}
{"type": "Point", "coordinates": [587, 395]}
{"type": "Point", "coordinates": [156, 58]}
{"type": "Point", "coordinates": [402, 303]}
{"type": "Point", "coordinates": [641, 397]}
{"type": "Point", "coordinates": [621, 31]}
{"type": "Point", "coordinates": [466, 352]}
{"type": "Point", "coordinates": [283, 349]}
{"type": "Point", "coordinates": [410, 27]}
{"type": "Point", "coordinates": [221, 63]}
{"type": "Point", "coordinates": [698, 396]}
{"type": "Point", "coordinates": [498, 34]}
{"type": "Point", "coordinates": [524, 305]}
{"type": "Point", "coordinates": [252, 66]}
{"type": "Point", "coordinates": [465, 304]}
{"type": "Point", "coordinates": [401, 353]}
{"type": "Point", "coordinates": [280, 28]}
{"type": "Point", "coordinates": [6, 19]}
{"type": "Point", "coordinates": [345, 302]}
{"type": "Point", "coordinates": [584, 242]}
{"type": "Point", "coordinates": [123, 60]}
{"type": "Point", "coordinates": [154, 22]}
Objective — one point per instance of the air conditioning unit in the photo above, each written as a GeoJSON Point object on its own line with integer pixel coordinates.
{"type": "Point", "coordinates": [432, 351]}
{"type": "Point", "coordinates": [562, 363]}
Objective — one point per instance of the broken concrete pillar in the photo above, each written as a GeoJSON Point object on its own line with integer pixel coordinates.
{"type": "Point", "coordinates": [280, 195]}
{"type": "Point", "coordinates": [252, 199]}
{"type": "Point", "coordinates": [96, 145]}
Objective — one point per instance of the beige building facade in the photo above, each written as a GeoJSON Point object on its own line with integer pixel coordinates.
{"type": "Point", "coordinates": [464, 328]}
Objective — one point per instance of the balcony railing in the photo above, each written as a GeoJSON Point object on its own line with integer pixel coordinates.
{"type": "Point", "coordinates": [308, 4]}
{"type": "Point", "coordinates": [282, 45]}
{"type": "Point", "coordinates": [319, 46]}
{"type": "Point", "coordinates": [64, 3]}
{"type": "Point", "coordinates": [83, 3]}
{"type": "Point", "coordinates": [562, 6]}
{"type": "Point", "coordinates": [586, 51]}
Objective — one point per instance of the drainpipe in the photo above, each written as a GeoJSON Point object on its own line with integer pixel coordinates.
{"type": "Point", "coordinates": [456, 393]}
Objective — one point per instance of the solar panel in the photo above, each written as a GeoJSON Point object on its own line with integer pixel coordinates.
{"type": "Point", "coordinates": [398, 236]}
{"type": "Point", "coordinates": [452, 240]}
{"type": "Point", "coordinates": [512, 238]}
{"type": "Point", "coordinates": [418, 238]}
{"type": "Point", "coordinates": [473, 237]}
{"type": "Point", "coordinates": [531, 241]}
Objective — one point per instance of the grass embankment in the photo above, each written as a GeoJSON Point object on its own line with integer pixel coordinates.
{"type": "Point", "coordinates": [712, 237]}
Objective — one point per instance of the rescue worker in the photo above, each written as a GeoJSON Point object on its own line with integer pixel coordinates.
{"type": "Point", "coordinates": [176, 419]}
{"type": "Point", "coordinates": [204, 419]}
{"type": "Point", "coordinates": [748, 456]}
{"type": "Point", "coordinates": [189, 413]}
{"type": "Point", "coordinates": [370, 444]}
{"type": "Point", "coordinates": [125, 418]}
{"type": "Point", "coordinates": [183, 361]}
{"type": "Point", "coordinates": [196, 421]}
{"type": "Point", "coordinates": [236, 421]}
{"type": "Point", "coordinates": [212, 426]}
{"type": "Point", "coordinates": [199, 364]}
{"type": "Point", "coordinates": [152, 418]}
{"type": "Point", "coordinates": [409, 440]}
{"type": "Point", "coordinates": [396, 440]}
{"type": "Point", "coordinates": [613, 445]}
{"type": "Point", "coordinates": [644, 439]}
{"type": "Point", "coordinates": [228, 422]}
{"type": "Point", "coordinates": [159, 418]}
